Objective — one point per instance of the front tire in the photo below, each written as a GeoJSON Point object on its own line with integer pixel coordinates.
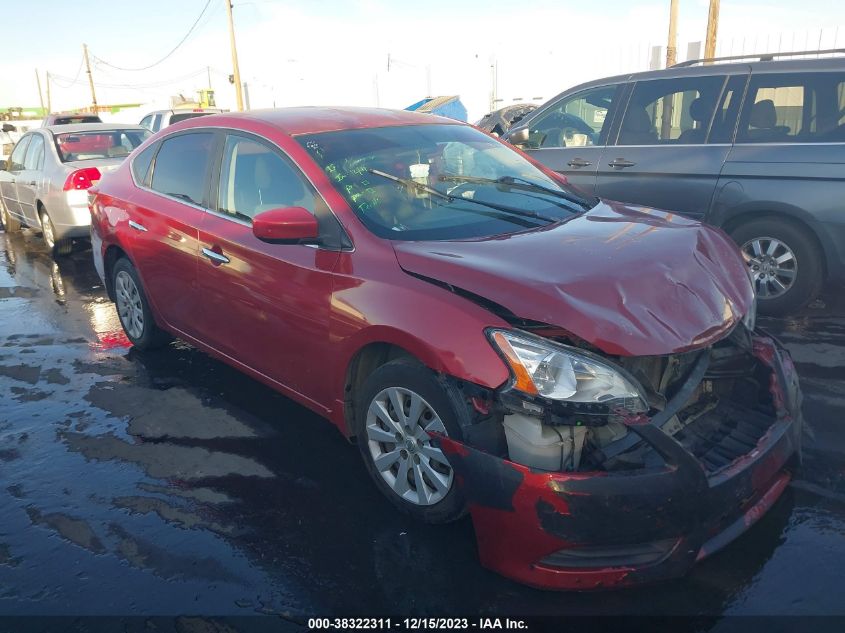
{"type": "Point", "coordinates": [785, 261]}
{"type": "Point", "coordinates": [399, 403]}
{"type": "Point", "coordinates": [10, 224]}
{"type": "Point", "coordinates": [133, 309]}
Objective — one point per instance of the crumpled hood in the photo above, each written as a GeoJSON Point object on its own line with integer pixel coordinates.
{"type": "Point", "coordinates": [630, 280]}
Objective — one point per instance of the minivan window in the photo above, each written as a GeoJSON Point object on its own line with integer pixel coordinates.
{"type": "Point", "coordinates": [794, 108]}
{"type": "Point", "coordinates": [181, 166]}
{"type": "Point", "coordinates": [578, 120]}
{"type": "Point", "coordinates": [35, 154]}
{"type": "Point", "coordinates": [724, 122]}
{"type": "Point", "coordinates": [255, 178]}
{"type": "Point", "coordinates": [663, 111]}
{"type": "Point", "coordinates": [439, 182]}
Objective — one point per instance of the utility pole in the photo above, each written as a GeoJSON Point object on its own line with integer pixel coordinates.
{"type": "Point", "coordinates": [49, 104]}
{"type": "Point", "coordinates": [208, 70]}
{"type": "Point", "coordinates": [672, 45]}
{"type": "Point", "coordinates": [90, 76]}
{"type": "Point", "coordinates": [246, 95]}
{"type": "Point", "coordinates": [235, 70]}
{"type": "Point", "coordinates": [712, 27]}
{"type": "Point", "coordinates": [40, 94]}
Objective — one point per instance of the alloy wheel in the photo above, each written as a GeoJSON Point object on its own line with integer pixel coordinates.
{"type": "Point", "coordinates": [773, 266]}
{"type": "Point", "coordinates": [47, 230]}
{"type": "Point", "coordinates": [129, 307]}
{"type": "Point", "coordinates": [398, 423]}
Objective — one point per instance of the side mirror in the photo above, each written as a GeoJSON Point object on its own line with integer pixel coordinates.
{"type": "Point", "coordinates": [518, 136]}
{"type": "Point", "coordinates": [287, 224]}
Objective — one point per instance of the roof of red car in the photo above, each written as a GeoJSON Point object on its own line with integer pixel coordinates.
{"type": "Point", "coordinates": [311, 120]}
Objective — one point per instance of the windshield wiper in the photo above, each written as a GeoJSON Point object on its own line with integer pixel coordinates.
{"type": "Point", "coordinates": [449, 198]}
{"type": "Point", "coordinates": [409, 182]}
{"type": "Point", "coordinates": [517, 181]}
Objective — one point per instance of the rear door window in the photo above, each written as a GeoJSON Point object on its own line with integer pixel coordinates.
{"type": "Point", "coordinates": [575, 121]}
{"type": "Point", "coordinates": [794, 108]}
{"type": "Point", "coordinates": [670, 111]}
{"type": "Point", "coordinates": [181, 166]}
{"type": "Point", "coordinates": [18, 154]}
{"type": "Point", "coordinates": [35, 153]}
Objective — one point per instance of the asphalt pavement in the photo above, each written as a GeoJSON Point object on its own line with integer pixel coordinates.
{"type": "Point", "coordinates": [164, 483]}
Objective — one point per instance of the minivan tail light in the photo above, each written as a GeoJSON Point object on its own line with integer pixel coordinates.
{"type": "Point", "coordinates": [82, 179]}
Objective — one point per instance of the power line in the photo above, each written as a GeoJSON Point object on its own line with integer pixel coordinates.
{"type": "Point", "coordinates": [155, 84]}
{"type": "Point", "coordinates": [78, 71]}
{"type": "Point", "coordinates": [175, 48]}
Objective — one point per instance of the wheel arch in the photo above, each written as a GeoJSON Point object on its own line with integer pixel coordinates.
{"type": "Point", "coordinates": [113, 253]}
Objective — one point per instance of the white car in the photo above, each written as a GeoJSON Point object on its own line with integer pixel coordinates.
{"type": "Point", "coordinates": [158, 119]}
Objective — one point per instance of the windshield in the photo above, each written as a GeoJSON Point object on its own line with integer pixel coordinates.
{"type": "Point", "coordinates": [438, 182]}
{"type": "Point", "coordinates": [98, 144]}
{"type": "Point", "coordinates": [182, 116]}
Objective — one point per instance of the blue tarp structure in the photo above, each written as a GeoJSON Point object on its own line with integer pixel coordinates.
{"type": "Point", "coordinates": [449, 106]}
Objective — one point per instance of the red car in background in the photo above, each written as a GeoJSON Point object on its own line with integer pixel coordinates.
{"type": "Point", "coordinates": [583, 377]}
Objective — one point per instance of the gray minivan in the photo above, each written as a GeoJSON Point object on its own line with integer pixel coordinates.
{"type": "Point", "coordinates": [757, 148]}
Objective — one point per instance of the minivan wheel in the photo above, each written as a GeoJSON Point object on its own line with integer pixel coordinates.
{"type": "Point", "coordinates": [57, 247]}
{"type": "Point", "coordinates": [399, 404]}
{"type": "Point", "coordinates": [133, 308]}
{"type": "Point", "coordinates": [785, 262]}
{"type": "Point", "coordinates": [10, 224]}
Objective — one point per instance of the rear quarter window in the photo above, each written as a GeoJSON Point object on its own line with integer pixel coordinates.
{"type": "Point", "coordinates": [141, 165]}
{"type": "Point", "coordinates": [181, 166]}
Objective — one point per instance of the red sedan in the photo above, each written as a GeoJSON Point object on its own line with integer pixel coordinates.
{"type": "Point", "coordinates": [583, 377]}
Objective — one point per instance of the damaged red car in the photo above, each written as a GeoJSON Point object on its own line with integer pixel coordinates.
{"type": "Point", "coordinates": [583, 377]}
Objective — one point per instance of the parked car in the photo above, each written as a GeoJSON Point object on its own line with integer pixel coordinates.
{"type": "Point", "coordinates": [500, 121]}
{"type": "Point", "coordinates": [70, 119]}
{"type": "Point", "coordinates": [583, 377]}
{"type": "Point", "coordinates": [756, 148]}
{"type": "Point", "coordinates": [8, 138]}
{"type": "Point", "coordinates": [154, 121]}
{"type": "Point", "coordinates": [44, 183]}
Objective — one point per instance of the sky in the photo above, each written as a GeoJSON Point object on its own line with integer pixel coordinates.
{"type": "Point", "coordinates": [371, 52]}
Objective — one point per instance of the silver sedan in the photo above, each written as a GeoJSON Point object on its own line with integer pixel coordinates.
{"type": "Point", "coordinates": [44, 183]}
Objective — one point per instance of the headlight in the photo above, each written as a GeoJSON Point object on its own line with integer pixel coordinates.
{"type": "Point", "coordinates": [750, 318]}
{"type": "Point", "coordinates": [558, 372]}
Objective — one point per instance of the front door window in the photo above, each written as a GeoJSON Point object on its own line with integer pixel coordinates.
{"type": "Point", "coordinates": [576, 121]}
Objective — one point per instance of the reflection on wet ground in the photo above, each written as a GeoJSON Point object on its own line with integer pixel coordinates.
{"type": "Point", "coordinates": [157, 483]}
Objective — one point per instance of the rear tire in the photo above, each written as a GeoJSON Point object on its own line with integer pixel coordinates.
{"type": "Point", "coordinates": [412, 473]}
{"type": "Point", "coordinates": [57, 248]}
{"type": "Point", "coordinates": [795, 256]}
{"type": "Point", "coordinates": [133, 309]}
{"type": "Point", "coordinates": [10, 224]}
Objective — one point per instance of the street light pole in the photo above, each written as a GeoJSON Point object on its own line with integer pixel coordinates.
{"type": "Point", "coordinates": [236, 72]}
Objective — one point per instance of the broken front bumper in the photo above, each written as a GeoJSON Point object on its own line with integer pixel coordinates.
{"type": "Point", "coordinates": [588, 530]}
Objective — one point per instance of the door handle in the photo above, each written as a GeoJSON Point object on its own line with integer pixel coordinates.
{"type": "Point", "coordinates": [620, 163]}
{"type": "Point", "coordinates": [216, 258]}
{"type": "Point", "coordinates": [137, 227]}
{"type": "Point", "coordinates": [579, 162]}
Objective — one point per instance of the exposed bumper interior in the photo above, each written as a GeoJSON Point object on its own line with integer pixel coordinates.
{"type": "Point", "coordinates": [625, 497]}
